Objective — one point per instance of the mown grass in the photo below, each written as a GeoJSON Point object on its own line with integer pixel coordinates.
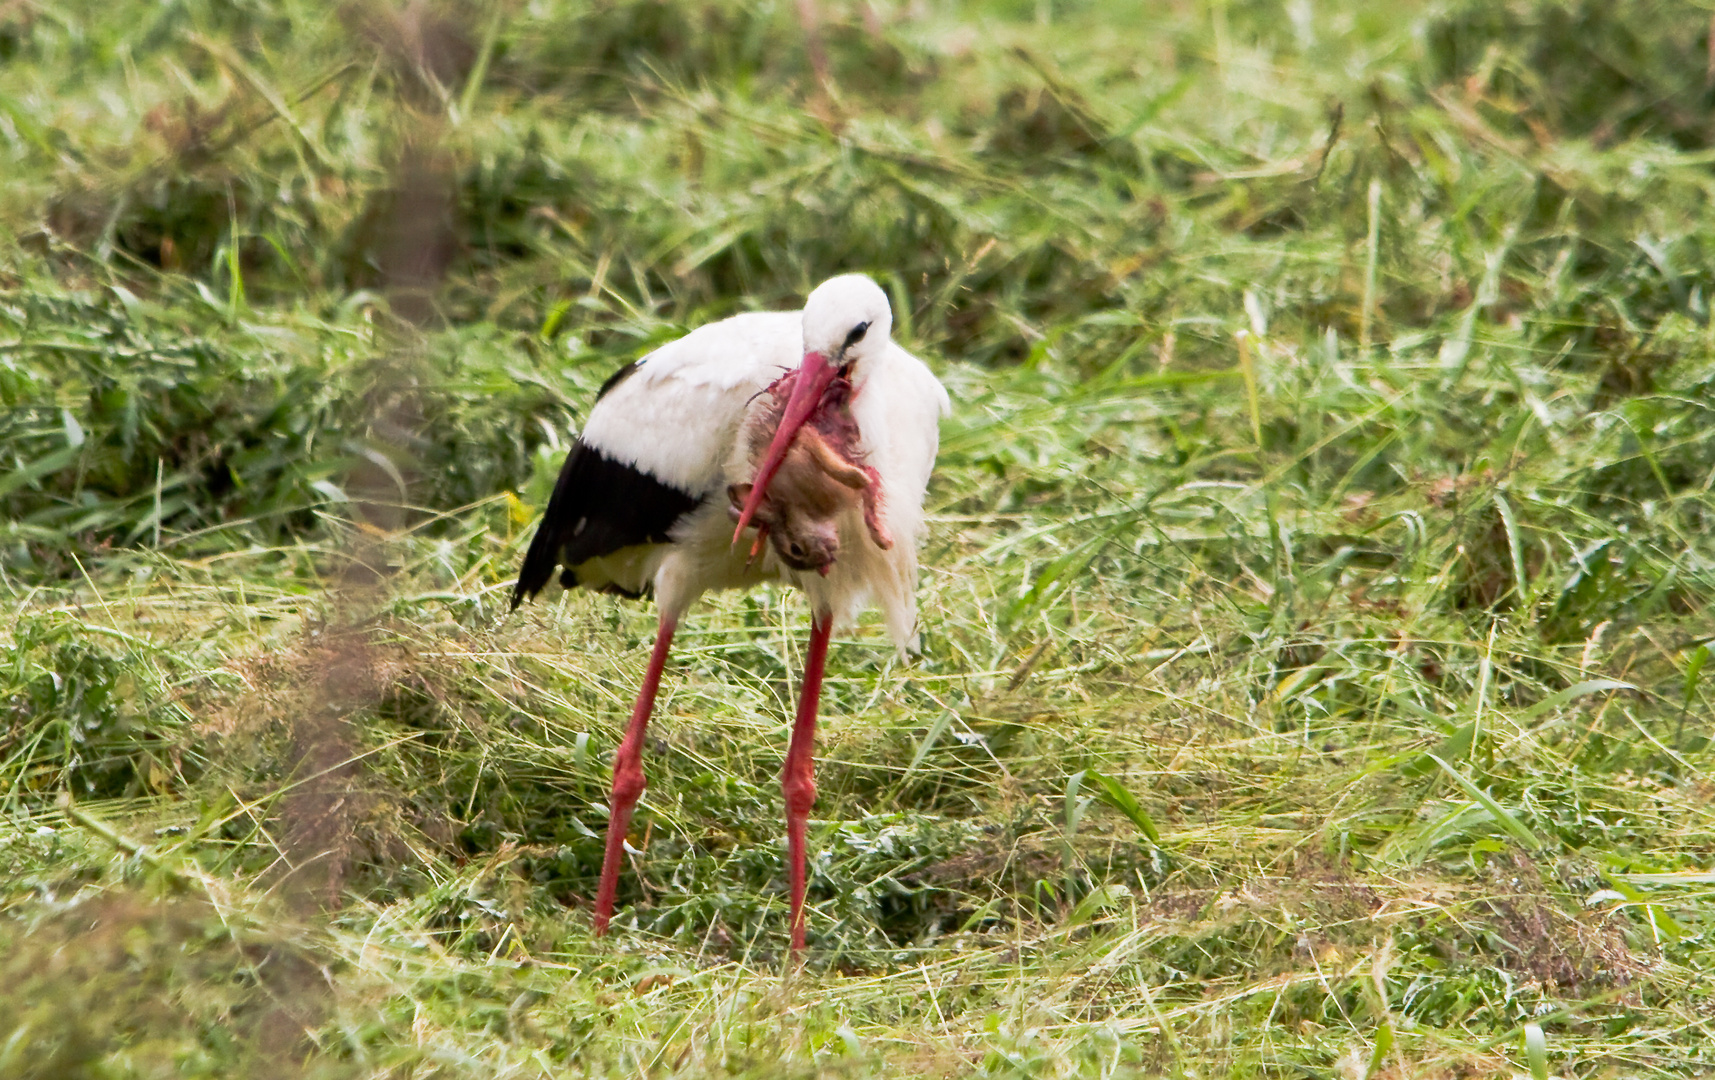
{"type": "Point", "coordinates": [1316, 612]}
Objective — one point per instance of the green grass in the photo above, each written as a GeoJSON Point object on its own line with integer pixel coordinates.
{"type": "Point", "coordinates": [1316, 612]}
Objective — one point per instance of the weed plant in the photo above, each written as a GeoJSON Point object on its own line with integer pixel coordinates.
{"type": "Point", "coordinates": [1314, 619]}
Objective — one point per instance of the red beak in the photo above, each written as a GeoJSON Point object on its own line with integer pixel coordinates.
{"type": "Point", "coordinates": [815, 375]}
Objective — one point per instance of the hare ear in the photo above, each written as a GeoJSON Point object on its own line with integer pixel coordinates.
{"type": "Point", "coordinates": [736, 494]}
{"type": "Point", "coordinates": [830, 460]}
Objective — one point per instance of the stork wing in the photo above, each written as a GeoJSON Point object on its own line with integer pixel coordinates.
{"type": "Point", "coordinates": [657, 442]}
{"type": "Point", "coordinates": [599, 506]}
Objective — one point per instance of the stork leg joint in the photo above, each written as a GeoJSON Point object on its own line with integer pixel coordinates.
{"type": "Point", "coordinates": [800, 792]}
{"type": "Point", "coordinates": [628, 783]}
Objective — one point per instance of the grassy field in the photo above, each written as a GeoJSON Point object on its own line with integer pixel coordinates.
{"type": "Point", "coordinates": [1315, 617]}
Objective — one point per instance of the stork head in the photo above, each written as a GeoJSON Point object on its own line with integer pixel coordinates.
{"type": "Point", "coordinates": [847, 322]}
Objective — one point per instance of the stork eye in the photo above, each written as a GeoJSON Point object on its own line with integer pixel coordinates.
{"type": "Point", "coordinates": [856, 335]}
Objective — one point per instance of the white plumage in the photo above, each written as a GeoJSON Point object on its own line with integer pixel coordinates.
{"type": "Point", "coordinates": [677, 417]}
{"type": "Point", "coordinates": [643, 501]}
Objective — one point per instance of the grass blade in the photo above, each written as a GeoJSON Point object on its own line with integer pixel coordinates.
{"type": "Point", "coordinates": [1536, 1051]}
{"type": "Point", "coordinates": [1115, 795]}
{"type": "Point", "coordinates": [1571, 693]}
{"type": "Point", "coordinates": [1514, 827]}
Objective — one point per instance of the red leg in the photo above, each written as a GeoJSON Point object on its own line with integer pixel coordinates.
{"type": "Point", "coordinates": [628, 777]}
{"type": "Point", "coordinates": [797, 782]}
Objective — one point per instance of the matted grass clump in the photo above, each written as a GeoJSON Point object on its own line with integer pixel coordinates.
{"type": "Point", "coordinates": [1315, 618]}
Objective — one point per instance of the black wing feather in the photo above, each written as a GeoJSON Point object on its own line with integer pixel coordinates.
{"type": "Point", "coordinates": [599, 506]}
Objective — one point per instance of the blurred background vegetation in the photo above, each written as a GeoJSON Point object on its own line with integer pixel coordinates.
{"type": "Point", "coordinates": [1318, 602]}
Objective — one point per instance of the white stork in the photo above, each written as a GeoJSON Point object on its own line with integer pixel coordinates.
{"type": "Point", "coordinates": [812, 429]}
